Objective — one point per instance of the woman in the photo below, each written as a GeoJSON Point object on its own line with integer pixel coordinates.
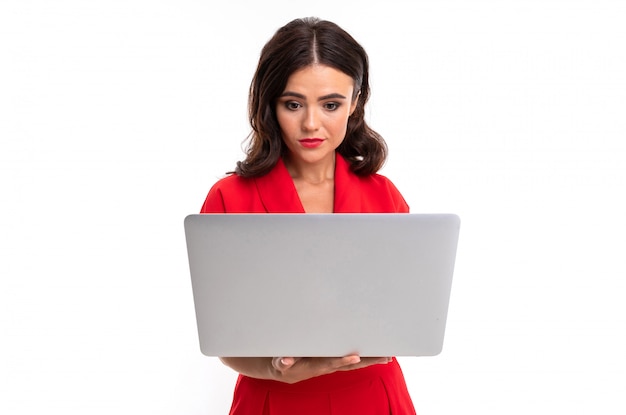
{"type": "Point", "coordinates": [311, 151]}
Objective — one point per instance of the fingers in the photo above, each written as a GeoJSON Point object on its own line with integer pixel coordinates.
{"type": "Point", "coordinates": [348, 360]}
{"type": "Point", "coordinates": [365, 362]}
{"type": "Point", "coordinates": [379, 360]}
{"type": "Point", "coordinates": [295, 369]}
{"type": "Point", "coordinates": [337, 363]}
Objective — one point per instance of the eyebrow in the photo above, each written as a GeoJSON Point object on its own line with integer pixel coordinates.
{"type": "Point", "coordinates": [322, 98]}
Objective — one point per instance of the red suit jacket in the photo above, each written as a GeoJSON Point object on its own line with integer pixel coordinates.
{"type": "Point", "coordinates": [276, 193]}
{"type": "Point", "coordinates": [374, 390]}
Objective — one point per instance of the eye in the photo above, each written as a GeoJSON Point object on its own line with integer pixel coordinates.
{"type": "Point", "coordinates": [292, 105]}
{"type": "Point", "coordinates": [331, 106]}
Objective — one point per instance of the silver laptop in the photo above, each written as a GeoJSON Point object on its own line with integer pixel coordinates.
{"type": "Point", "coordinates": [321, 284]}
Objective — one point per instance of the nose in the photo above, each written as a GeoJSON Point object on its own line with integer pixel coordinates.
{"type": "Point", "coordinates": [311, 120]}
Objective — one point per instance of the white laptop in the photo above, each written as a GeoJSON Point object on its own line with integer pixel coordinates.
{"type": "Point", "coordinates": [321, 284]}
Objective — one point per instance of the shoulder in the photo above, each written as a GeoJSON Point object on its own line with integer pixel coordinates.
{"type": "Point", "coordinates": [378, 181]}
{"type": "Point", "coordinates": [232, 182]}
{"type": "Point", "coordinates": [372, 193]}
{"type": "Point", "coordinates": [380, 187]}
{"type": "Point", "coordinates": [224, 191]}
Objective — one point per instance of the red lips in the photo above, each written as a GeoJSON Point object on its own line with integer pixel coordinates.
{"type": "Point", "coordinates": [311, 142]}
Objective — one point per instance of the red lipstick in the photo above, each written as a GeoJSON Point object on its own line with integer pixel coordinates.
{"type": "Point", "coordinates": [311, 142]}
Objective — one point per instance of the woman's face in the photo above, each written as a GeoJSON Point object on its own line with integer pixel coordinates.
{"type": "Point", "coordinates": [313, 113]}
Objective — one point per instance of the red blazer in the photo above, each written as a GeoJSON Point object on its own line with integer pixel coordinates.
{"type": "Point", "coordinates": [276, 193]}
{"type": "Point", "coordinates": [376, 389]}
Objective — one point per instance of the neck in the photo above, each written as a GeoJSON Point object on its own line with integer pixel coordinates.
{"type": "Point", "coordinates": [314, 173]}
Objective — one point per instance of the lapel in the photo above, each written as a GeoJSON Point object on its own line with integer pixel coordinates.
{"type": "Point", "coordinates": [278, 193]}
{"type": "Point", "coordinates": [348, 190]}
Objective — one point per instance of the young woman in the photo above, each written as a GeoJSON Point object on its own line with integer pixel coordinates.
{"type": "Point", "coordinates": [311, 151]}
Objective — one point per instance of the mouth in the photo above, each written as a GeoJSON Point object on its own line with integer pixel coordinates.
{"type": "Point", "coordinates": [311, 142]}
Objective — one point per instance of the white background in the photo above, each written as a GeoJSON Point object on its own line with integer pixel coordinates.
{"type": "Point", "coordinates": [117, 116]}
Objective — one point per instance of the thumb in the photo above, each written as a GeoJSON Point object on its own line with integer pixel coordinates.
{"type": "Point", "coordinates": [284, 363]}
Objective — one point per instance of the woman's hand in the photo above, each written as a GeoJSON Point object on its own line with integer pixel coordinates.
{"type": "Point", "coordinates": [296, 369]}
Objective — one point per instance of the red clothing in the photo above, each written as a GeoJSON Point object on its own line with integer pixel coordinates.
{"type": "Point", "coordinates": [375, 390]}
{"type": "Point", "coordinates": [276, 193]}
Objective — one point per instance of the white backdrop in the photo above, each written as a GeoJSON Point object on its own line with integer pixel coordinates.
{"type": "Point", "coordinates": [116, 117]}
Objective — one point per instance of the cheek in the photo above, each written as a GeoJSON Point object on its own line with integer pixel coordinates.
{"type": "Point", "coordinates": [340, 125]}
{"type": "Point", "coordinates": [284, 122]}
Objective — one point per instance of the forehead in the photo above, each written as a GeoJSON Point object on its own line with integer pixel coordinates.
{"type": "Point", "coordinates": [319, 79]}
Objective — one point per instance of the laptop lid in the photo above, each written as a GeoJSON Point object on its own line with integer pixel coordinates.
{"type": "Point", "coordinates": [321, 284]}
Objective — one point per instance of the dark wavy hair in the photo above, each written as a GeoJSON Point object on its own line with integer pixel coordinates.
{"type": "Point", "coordinates": [300, 43]}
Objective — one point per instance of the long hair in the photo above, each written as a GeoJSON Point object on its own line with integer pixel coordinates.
{"type": "Point", "coordinates": [300, 43]}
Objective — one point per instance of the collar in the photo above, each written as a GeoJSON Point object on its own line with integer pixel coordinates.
{"type": "Point", "coordinates": [278, 192]}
